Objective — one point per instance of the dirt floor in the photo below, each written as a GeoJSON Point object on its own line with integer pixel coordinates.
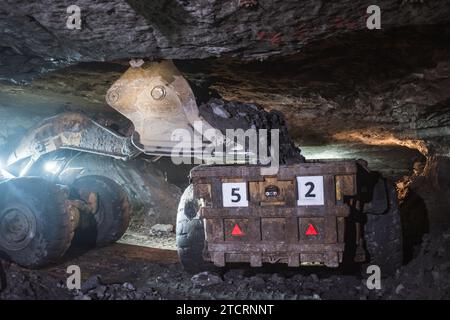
{"type": "Point", "coordinates": [125, 271]}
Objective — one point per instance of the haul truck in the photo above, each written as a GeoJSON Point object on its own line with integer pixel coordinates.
{"type": "Point", "coordinates": [311, 213]}
{"type": "Point", "coordinates": [306, 213]}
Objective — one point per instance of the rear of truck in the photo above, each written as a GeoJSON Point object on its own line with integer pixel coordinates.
{"type": "Point", "coordinates": [297, 217]}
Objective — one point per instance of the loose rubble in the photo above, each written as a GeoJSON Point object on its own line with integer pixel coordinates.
{"type": "Point", "coordinates": [161, 228]}
{"type": "Point", "coordinates": [206, 279]}
{"type": "Point", "coordinates": [427, 276]}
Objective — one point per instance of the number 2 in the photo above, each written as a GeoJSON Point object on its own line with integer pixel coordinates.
{"type": "Point", "coordinates": [309, 193]}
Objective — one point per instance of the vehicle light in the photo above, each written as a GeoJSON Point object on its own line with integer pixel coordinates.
{"type": "Point", "coordinates": [51, 167]}
{"type": "Point", "coordinates": [6, 174]}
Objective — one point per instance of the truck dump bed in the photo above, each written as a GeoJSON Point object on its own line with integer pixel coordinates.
{"type": "Point", "coordinates": [296, 217]}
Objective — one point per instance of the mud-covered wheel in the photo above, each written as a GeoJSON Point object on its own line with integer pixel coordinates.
{"type": "Point", "coordinates": [36, 226]}
{"type": "Point", "coordinates": [383, 233]}
{"type": "Point", "coordinates": [190, 234]}
{"type": "Point", "coordinates": [113, 210]}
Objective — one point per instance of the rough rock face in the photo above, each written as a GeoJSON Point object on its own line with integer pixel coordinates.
{"type": "Point", "coordinates": [34, 33]}
{"type": "Point", "coordinates": [426, 200]}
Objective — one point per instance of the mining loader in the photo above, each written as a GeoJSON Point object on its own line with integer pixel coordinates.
{"type": "Point", "coordinates": [235, 208]}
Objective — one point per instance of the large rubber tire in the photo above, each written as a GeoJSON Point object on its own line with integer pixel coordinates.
{"type": "Point", "coordinates": [383, 234]}
{"type": "Point", "coordinates": [190, 234]}
{"type": "Point", "coordinates": [112, 217]}
{"type": "Point", "coordinates": [36, 225]}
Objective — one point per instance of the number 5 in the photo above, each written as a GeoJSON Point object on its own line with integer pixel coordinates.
{"type": "Point", "coordinates": [235, 193]}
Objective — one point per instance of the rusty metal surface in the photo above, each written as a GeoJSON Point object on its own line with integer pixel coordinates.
{"type": "Point", "coordinates": [273, 228]}
{"type": "Point", "coordinates": [285, 172]}
{"type": "Point", "coordinates": [72, 131]}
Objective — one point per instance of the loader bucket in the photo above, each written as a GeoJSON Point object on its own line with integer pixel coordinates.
{"type": "Point", "coordinates": [158, 100]}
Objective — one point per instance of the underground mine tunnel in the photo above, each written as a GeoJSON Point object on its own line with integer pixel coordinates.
{"type": "Point", "coordinates": [97, 97]}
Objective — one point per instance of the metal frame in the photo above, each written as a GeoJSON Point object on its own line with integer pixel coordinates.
{"type": "Point", "coordinates": [275, 227]}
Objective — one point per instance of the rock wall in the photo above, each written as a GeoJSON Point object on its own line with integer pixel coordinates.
{"type": "Point", "coordinates": [34, 33]}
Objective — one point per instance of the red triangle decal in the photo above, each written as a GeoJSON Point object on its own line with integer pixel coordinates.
{"type": "Point", "coordinates": [311, 231]}
{"type": "Point", "coordinates": [237, 231]}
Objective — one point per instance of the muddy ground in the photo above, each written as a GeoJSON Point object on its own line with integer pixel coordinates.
{"type": "Point", "coordinates": [126, 271]}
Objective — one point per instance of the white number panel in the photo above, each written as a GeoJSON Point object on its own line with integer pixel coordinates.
{"type": "Point", "coordinates": [234, 194]}
{"type": "Point", "coordinates": [310, 191]}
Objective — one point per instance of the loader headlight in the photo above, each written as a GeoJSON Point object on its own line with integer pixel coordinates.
{"type": "Point", "coordinates": [52, 167]}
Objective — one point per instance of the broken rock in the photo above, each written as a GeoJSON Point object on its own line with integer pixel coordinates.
{"type": "Point", "coordinates": [206, 279]}
{"type": "Point", "coordinates": [399, 288]}
{"type": "Point", "coordinates": [91, 283]}
{"type": "Point", "coordinates": [128, 286]}
{"type": "Point", "coordinates": [162, 228]}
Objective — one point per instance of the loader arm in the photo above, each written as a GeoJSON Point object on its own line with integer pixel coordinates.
{"type": "Point", "coordinates": [162, 108]}
{"type": "Point", "coordinates": [73, 131]}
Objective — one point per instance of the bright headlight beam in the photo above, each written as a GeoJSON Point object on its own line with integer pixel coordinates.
{"type": "Point", "coordinates": [51, 167]}
{"type": "Point", "coordinates": [6, 174]}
